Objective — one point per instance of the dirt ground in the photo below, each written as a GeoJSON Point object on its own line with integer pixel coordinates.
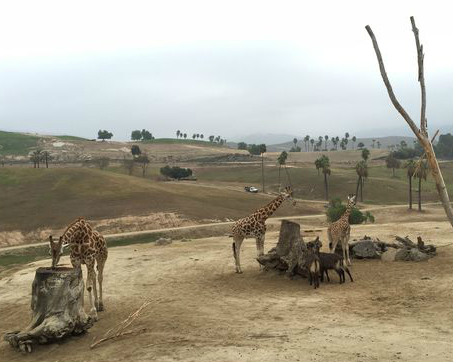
{"type": "Point", "coordinates": [202, 311]}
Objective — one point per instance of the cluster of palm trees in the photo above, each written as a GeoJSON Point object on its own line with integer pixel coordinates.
{"type": "Point", "coordinates": [322, 143]}
{"type": "Point", "coordinates": [416, 169]}
{"type": "Point", "coordinates": [39, 156]}
{"type": "Point", "coordinates": [197, 136]}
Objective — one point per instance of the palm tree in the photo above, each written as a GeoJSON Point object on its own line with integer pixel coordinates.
{"type": "Point", "coordinates": [337, 139]}
{"type": "Point", "coordinates": [373, 143]}
{"type": "Point", "coordinates": [421, 172]}
{"type": "Point", "coordinates": [312, 141]}
{"type": "Point", "coordinates": [411, 166]}
{"type": "Point", "coordinates": [392, 162]}
{"type": "Point", "coordinates": [202, 136]}
{"type": "Point", "coordinates": [323, 163]}
{"type": "Point", "coordinates": [295, 142]}
{"type": "Point", "coordinates": [194, 136]}
{"type": "Point", "coordinates": [281, 161]}
{"type": "Point", "coordinates": [354, 139]}
{"type": "Point", "coordinates": [36, 157]}
{"type": "Point", "coordinates": [362, 171]}
{"type": "Point", "coordinates": [306, 140]}
{"type": "Point", "coordinates": [262, 152]}
{"type": "Point", "coordinates": [178, 133]}
{"type": "Point", "coordinates": [326, 138]}
{"type": "Point", "coordinates": [378, 144]}
{"type": "Point", "coordinates": [46, 156]}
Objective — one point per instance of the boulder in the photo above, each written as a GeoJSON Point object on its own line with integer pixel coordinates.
{"type": "Point", "coordinates": [412, 254]}
{"type": "Point", "coordinates": [365, 249]}
{"type": "Point", "coordinates": [163, 241]}
{"type": "Point", "coordinates": [389, 255]}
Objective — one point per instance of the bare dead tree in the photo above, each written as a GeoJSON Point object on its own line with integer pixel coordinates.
{"type": "Point", "coordinates": [422, 132]}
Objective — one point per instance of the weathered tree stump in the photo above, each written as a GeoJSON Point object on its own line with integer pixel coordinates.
{"type": "Point", "coordinates": [289, 254]}
{"type": "Point", "coordinates": [57, 309]}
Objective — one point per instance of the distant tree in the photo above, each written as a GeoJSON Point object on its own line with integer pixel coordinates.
{"type": "Point", "coordinates": [202, 136]}
{"type": "Point", "coordinates": [135, 150]}
{"type": "Point", "coordinates": [421, 172]}
{"type": "Point", "coordinates": [136, 135]}
{"type": "Point", "coordinates": [346, 135]}
{"type": "Point", "coordinates": [198, 135]}
{"type": "Point", "coordinates": [102, 162]}
{"type": "Point", "coordinates": [295, 149]}
{"type": "Point", "coordinates": [36, 157]}
{"type": "Point", "coordinates": [323, 163]}
{"type": "Point", "coordinates": [392, 162]}
{"type": "Point", "coordinates": [217, 139]}
{"type": "Point", "coordinates": [306, 140]}
{"type": "Point", "coordinates": [281, 160]}
{"type": "Point", "coordinates": [403, 144]}
{"type": "Point", "coordinates": [254, 149]}
{"type": "Point", "coordinates": [326, 138]}
{"type": "Point", "coordinates": [444, 147]}
{"type": "Point", "coordinates": [378, 143]}
{"type": "Point", "coordinates": [312, 141]}
{"type": "Point", "coordinates": [365, 154]}
{"type": "Point", "coordinates": [411, 167]}
{"type": "Point", "coordinates": [263, 150]}
{"type": "Point", "coordinates": [295, 142]}
{"type": "Point", "coordinates": [129, 164]}
{"type": "Point", "coordinates": [104, 135]}
{"type": "Point", "coordinates": [354, 139]}
{"type": "Point", "coordinates": [185, 135]}
{"type": "Point", "coordinates": [334, 142]}
{"type": "Point", "coordinates": [178, 133]}
{"type": "Point", "coordinates": [46, 157]}
{"type": "Point", "coordinates": [146, 135]}
{"type": "Point", "coordinates": [242, 146]}
{"type": "Point", "coordinates": [362, 172]}
{"type": "Point", "coordinates": [194, 136]}
{"type": "Point", "coordinates": [372, 145]}
{"type": "Point", "coordinates": [211, 138]}
{"type": "Point", "coordinates": [143, 161]}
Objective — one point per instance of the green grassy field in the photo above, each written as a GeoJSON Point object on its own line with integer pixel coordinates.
{"type": "Point", "coordinates": [380, 187]}
{"type": "Point", "coordinates": [187, 141]}
{"type": "Point", "coordinates": [18, 144]}
{"type": "Point", "coordinates": [71, 138]}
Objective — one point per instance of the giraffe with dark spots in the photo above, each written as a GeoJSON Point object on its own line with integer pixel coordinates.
{"type": "Point", "coordinates": [254, 226]}
{"type": "Point", "coordinates": [340, 231]}
{"type": "Point", "coordinates": [87, 247]}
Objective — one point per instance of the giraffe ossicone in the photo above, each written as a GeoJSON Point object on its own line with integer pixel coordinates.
{"type": "Point", "coordinates": [254, 226]}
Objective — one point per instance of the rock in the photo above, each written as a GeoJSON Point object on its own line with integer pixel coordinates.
{"type": "Point", "coordinates": [389, 255]}
{"type": "Point", "coordinates": [412, 254]}
{"type": "Point", "coordinates": [365, 249]}
{"type": "Point", "coordinates": [163, 241]}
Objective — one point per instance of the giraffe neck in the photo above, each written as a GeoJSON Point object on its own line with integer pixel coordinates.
{"type": "Point", "coordinates": [270, 208]}
{"type": "Point", "coordinates": [346, 214]}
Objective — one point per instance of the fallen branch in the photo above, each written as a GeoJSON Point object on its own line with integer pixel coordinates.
{"type": "Point", "coordinates": [120, 330]}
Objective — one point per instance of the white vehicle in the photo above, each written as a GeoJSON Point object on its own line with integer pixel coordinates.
{"type": "Point", "coordinates": [251, 189]}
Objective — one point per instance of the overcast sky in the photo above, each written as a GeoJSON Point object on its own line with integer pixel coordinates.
{"type": "Point", "coordinates": [227, 68]}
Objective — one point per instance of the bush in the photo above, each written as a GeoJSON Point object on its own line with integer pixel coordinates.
{"type": "Point", "coordinates": [336, 209]}
{"type": "Point", "coordinates": [295, 149]}
{"type": "Point", "coordinates": [176, 172]}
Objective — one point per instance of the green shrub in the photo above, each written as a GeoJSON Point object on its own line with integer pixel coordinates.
{"type": "Point", "coordinates": [336, 209]}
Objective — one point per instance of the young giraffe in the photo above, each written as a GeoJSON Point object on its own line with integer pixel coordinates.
{"type": "Point", "coordinates": [340, 230]}
{"type": "Point", "coordinates": [254, 226]}
{"type": "Point", "coordinates": [87, 247]}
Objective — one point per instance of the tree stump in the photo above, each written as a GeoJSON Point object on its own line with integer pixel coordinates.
{"type": "Point", "coordinates": [289, 254]}
{"type": "Point", "coordinates": [57, 309]}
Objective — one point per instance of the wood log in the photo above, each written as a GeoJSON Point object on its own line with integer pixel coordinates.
{"type": "Point", "coordinates": [57, 309]}
{"type": "Point", "coordinates": [289, 253]}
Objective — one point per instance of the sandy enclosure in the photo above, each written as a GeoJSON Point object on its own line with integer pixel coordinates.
{"type": "Point", "coordinates": [202, 311]}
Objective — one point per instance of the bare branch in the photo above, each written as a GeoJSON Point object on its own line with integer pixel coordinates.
{"type": "Point", "coordinates": [392, 96]}
{"type": "Point", "coordinates": [421, 78]}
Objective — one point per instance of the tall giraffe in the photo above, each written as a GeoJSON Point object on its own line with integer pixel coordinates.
{"type": "Point", "coordinates": [87, 247]}
{"type": "Point", "coordinates": [254, 226]}
{"type": "Point", "coordinates": [340, 230]}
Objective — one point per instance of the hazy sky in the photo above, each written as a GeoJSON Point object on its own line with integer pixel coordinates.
{"type": "Point", "coordinates": [228, 68]}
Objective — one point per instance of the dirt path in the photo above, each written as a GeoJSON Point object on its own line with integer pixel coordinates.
{"type": "Point", "coordinates": [202, 311]}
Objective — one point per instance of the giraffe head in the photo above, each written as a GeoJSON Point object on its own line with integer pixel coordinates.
{"type": "Point", "coordinates": [56, 250]}
{"type": "Point", "coordinates": [288, 194]}
{"type": "Point", "coordinates": [351, 200]}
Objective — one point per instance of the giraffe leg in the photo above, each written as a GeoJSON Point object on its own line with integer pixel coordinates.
{"type": "Point", "coordinates": [237, 253]}
{"type": "Point", "coordinates": [100, 267]}
{"type": "Point", "coordinates": [346, 242]}
{"type": "Point", "coordinates": [343, 246]}
{"type": "Point", "coordinates": [91, 287]}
